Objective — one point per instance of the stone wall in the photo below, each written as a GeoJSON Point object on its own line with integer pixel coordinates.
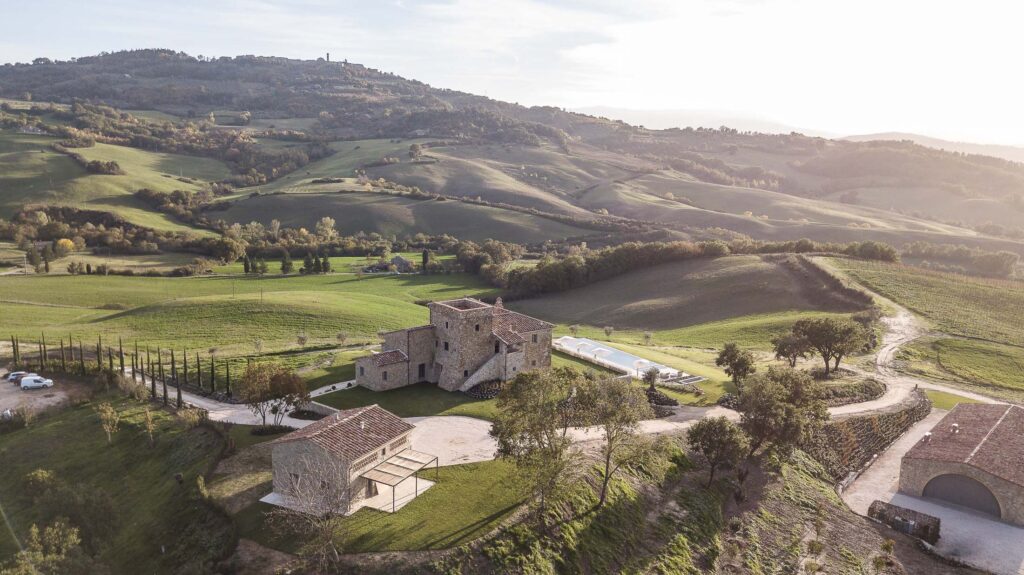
{"type": "Point", "coordinates": [370, 376]}
{"type": "Point", "coordinates": [920, 525]}
{"type": "Point", "coordinates": [844, 446]}
{"type": "Point", "coordinates": [468, 335]}
{"type": "Point", "coordinates": [538, 355]}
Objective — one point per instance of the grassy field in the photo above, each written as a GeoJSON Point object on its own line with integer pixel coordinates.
{"type": "Point", "coordinates": [148, 504]}
{"type": "Point", "coordinates": [413, 401]}
{"type": "Point", "coordinates": [223, 312]}
{"type": "Point", "coordinates": [753, 331]}
{"type": "Point", "coordinates": [393, 215]}
{"type": "Point", "coordinates": [32, 172]}
{"type": "Point", "coordinates": [984, 367]}
{"type": "Point", "coordinates": [486, 493]}
{"type": "Point", "coordinates": [955, 304]}
{"type": "Point", "coordinates": [700, 303]}
{"type": "Point", "coordinates": [943, 400]}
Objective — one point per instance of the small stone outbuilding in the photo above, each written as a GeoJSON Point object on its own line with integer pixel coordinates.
{"type": "Point", "coordinates": [974, 458]}
{"type": "Point", "coordinates": [366, 450]}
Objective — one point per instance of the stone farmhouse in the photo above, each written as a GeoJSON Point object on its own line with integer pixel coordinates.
{"type": "Point", "coordinates": [367, 450]}
{"type": "Point", "coordinates": [974, 457]}
{"type": "Point", "coordinates": [467, 342]}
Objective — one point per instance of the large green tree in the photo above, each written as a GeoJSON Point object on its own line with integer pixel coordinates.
{"type": "Point", "coordinates": [831, 338]}
{"type": "Point", "coordinates": [738, 363]}
{"type": "Point", "coordinates": [720, 441]}
{"type": "Point", "coordinates": [780, 409]}
{"type": "Point", "coordinates": [535, 411]}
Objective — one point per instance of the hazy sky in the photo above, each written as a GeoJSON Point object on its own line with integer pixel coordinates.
{"type": "Point", "coordinates": [941, 68]}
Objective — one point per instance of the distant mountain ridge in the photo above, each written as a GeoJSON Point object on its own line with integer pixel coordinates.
{"type": "Point", "coordinates": [1011, 153]}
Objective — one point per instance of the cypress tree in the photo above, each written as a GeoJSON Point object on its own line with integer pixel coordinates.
{"type": "Point", "coordinates": [45, 358]}
{"type": "Point", "coordinates": [286, 263]}
{"type": "Point", "coordinates": [245, 264]}
{"type": "Point", "coordinates": [40, 346]}
{"type": "Point", "coordinates": [227, 366]}
{"type": "Point", "coordinates": [110, 359]}
{"type": "Point", "coordinates": [326, 265]}
{"type": "Point", "coordinates": [318, 266]}
{"type": "Point", "coordinates": [199, 372]}
{"type": "Point", "coordinates": [426, 261]}
{"type": "Point", "coordinates": [63, 363]}
{"type": "Point", "coordinates": [120, 354]}
{"type": "Point", "coordinates": [174, 377]}
{"type": "Point", "coordinates": [213, 376]}
{"type": "Point", "coordinates": [14, 350]}
{"type": "Point", "coordinates": [99, 353]}
{"type": "Point", "coordinates": [81, 357]}
{"type": "Point", "coordinates": [307, 264]}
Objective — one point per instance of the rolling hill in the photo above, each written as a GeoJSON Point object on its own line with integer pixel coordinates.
{"type": "Point", "coordinates": [400, 216]}
{"type": "Point", "coordinates": [698, 183]}
{"type": "Point", "coordinates": [742, 296]}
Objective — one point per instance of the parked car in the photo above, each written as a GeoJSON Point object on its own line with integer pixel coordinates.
{"type": "Point", "coordinates": [17, 376]}
{"type": "Point", "coordinates": [35, 382]}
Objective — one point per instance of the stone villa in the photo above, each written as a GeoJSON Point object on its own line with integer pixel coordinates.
{"type": "Point", "coordinates": [467, 342]}
{"type": "Point", "coordinates": [366, 449]}
{"type": "Point", "coordinates": [974, 457]}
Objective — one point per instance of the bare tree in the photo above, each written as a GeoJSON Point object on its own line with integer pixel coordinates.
{"type": "Point", "coordinates": [342, 337]}
{"type": "Point", "coordinates": [150, 426]}
{"type": "Point", "coordinates": [608, 331]}
{"type": "Point", "coordinates": [318, 494]}
{"type": "Point", "coordinates": [110, 420]}
{"type": "Point", "coordinates": [574, 329]}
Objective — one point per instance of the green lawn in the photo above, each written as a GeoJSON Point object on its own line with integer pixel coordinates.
{"type": "Point", "coordinates": [151, 509]}
{"type": "Point", "coordinates": [467, 501]}
{"type": "Point", "coordinates": [692, 361]}
{"type": "Point", "coordinates": [413, 401]}
{"type": "Point", "coordinates": [943, 400]}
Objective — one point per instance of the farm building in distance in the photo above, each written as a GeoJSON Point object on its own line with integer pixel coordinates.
{"type": "Point", "coordinates": [467, 342]}
{"type": "Point", "coordinates": [974, 458]}
{"type": "Point", "coordinates": [365, 450]}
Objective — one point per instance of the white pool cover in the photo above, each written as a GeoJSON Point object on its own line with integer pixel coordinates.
{"type": "Point", "coordinates": [612, 358]}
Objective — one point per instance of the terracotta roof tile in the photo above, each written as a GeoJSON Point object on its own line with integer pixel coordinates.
{"type": "Point", "coordinates": [389, 357]}
{"type": "Point", "coordinates": [517, 322]}
{"type": "Point", "coordinates": [352, 433]}
{"type": "Point", "coordinates": [988, 436]}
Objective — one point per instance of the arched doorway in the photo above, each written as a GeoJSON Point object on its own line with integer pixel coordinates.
{"type": "Point", "coordinates": [965, 491]}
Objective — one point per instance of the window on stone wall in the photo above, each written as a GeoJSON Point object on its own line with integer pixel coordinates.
{"type": "Point", "coordinates": [362, 371]}
{"type": "Point", "coordinates": [476, 327]}
{"type": "Point", "coordinates": [446, 325]}
{"type": "Point", "coordinates": [497, 346]}
{"type": "Point", "coordinates": [384, 375]}
{"type": "Point", "coordinates": [465, 373]}
{"type": "Point", "coordinates": [534, 338]}
{"type": "Point", "coordinates": [533, 363]}
{"type": "Point", "coordinates": [446, 346]}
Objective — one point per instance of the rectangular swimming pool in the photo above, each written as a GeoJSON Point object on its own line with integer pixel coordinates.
{"type": "Point", "coordinates": [607, 356]}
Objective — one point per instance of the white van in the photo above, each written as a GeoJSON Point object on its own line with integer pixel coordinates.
{"type": "Point", "coordinates": [35, 382]}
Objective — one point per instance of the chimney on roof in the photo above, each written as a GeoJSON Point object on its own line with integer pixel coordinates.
{"type": "Point", "coordinates": [328, 56]}
{"type": "Point", "coordinates": [927, 437]}
{"type": "Point", "coordinates": [955, 428]}
{"type": "Point", "coordinates": [362, 426]}
{"type": "Point", "coordinates": [499, 304]}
